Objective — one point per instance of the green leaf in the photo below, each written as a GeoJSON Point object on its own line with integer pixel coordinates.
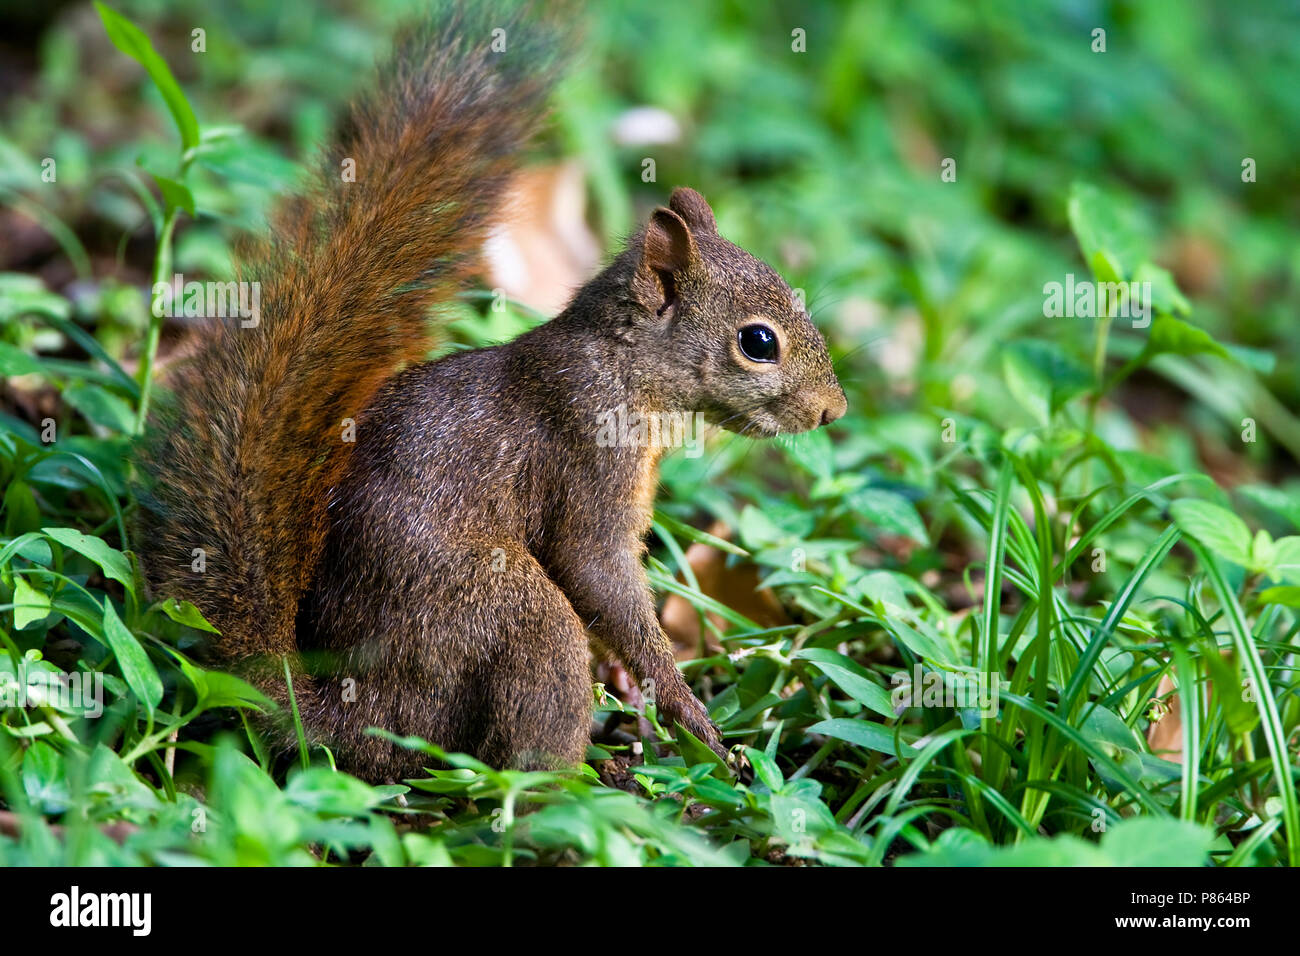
{"type": "Point", "coordinates": [1140, 841]}
{"type": "Point", "coordinates": [861, 733]}
{"type": "Point", "coordinates": [112, 778]}
{"type": "Point", "coordinates": [1225, 671]}
{"type": "Point", "coordinates": [811, 451]}
{"type": "Point", "coordinates": [1165, 295]}
{"type": "Point", "coordinates": [695, 751]}
{"type": "Point", "coordinates": [1042, 378]}
{"type": "Point", "coordinates": [45, 778]}
{"type": "Point", "coordinates": [131, 40]}
{"type": "Point", "coordinates": [175, 195]}
{"type": "Point", "coordinates": [881, 588]}
{"type": "Point", "coordinates": [113, 562]}
{"type": "Point", "coordinates": [31, 546]}
{"type": "Point", "coordinates": [922, 640]}
{"type": "Point", "coordinates": [1170, 335]}
{"type": "Point", "coordinates": [765, 769]}
{"type": "Point", "coordinates": [849, 676]}
{"type": "Point", "coordinates": [1275, 500]}
{"type": "Point", "coordinates": [1285, 557]}
{"type": "Point", "coordinates": [1109, 236]}
{"type": "Point", "coordinates": [30, 605]}
{"type": "Point", "coordinates": [140, 674]}
{"type": "Point", "coordinates": [1288, 595]}
{"type": "Point", "coordinates": [227, 690]}
{"type": "Point", "coordinates": [1275, 733]}
{"type": "Point", "coordinates": [183, 612]}
{"type": "Point", "coordinates": [1217, 528]}
{"type": "Point", "coordinates": [1104, 726]}
{"type": "Point", "coordinates": [757, 530]}
{"type": "Point", "coordinates": [22, 294]}
{"type": "Point", "coordinates": [1152, 841]}
{"type": "Point", "coordinates": [891, 511]}
{"type": "Point", "coordinates": [22, 513]}
{"type": "Point", "coordinates": [1257, 360]}
{"type": "Point", "coordinates": [100, 407]}
{"type": "Point", "coordinates": [14, 361]}
{"type": "Point", "coordinates": [332, 794]}
{"type": "Point", "coordinates": [1262, 550]}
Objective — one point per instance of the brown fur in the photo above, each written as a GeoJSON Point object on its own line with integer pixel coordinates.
{"type": "Point", "coordinates": [446, 573]}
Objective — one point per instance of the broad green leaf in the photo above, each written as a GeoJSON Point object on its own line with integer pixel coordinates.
{"type": "Point", "coordinates": [1274, 499]}
{"type": "Point", "coordinates": [1217, 528]}
{"type": "Point", "coordinates": [1042, 377]}
{"type": "Point", "coordinates": [811, 451]}
{"type": "Point", "coordinates": [891, 511]}
{"type": "Point", "coordinates": [861, 733]}
{"type": "Point", "coordinates": [100, 406]}
{"type": "Point", "coordinates": [1108, 234]}
{"type": "Point", "coordinates": [333, 794]}
{"type": "Point", "coordinates": [1288, 594]}
{"type": "Point", "coordinates": [113, 779]}
{"type": "Point", "coordinates": [22, 513]}
{"type": "Point", "coordinates": [45, 778]}
{"type": "Point", "coordinates": [922, 641]}
{"type": "Point", "coordinates": [765, 769]}
{"type": "Point", "coordinates": [30, 605]}
{"type": "Point", "coordinates": [849, 676]}
{"type": "Point", "coordinates": [140, 674]}
{"type": "Point", "coordinates": [175, 195]}
{"type": "Point", "coordinates": [757, 530]}
{"type": "Point", "coordinates": [1140, 841]}
{"type": "Point", "coordinates": [1180, 338]}
{"type": "Point", "coordinates": [1257, 360]}
{"type": "Point", "coordinates": [21, 294]}
{"type": "Point", "coordinates": [226, 690]}
{"type": "Point", "coordinates": [1262, 551]}
{"type": "Point", "coordinates": [1152, 841]}
{"type": "Point", "coordinates": [696, 751]}
{"type": "Point", "coordinates": [1104, 726]}
{"type": "Point", "coordinates": [814, 820]}
{"type": "Point", "coordinates": [1238, 712]}
{"type": "Point", "coordinates": [1165, 296]}
{"type": "Point", "coordinates": [882, 588]}
{"type": "Point", "coordinates": [14, 361]}
{"type": "Point", "coordinates": [31, 546]}
{"type": "Point", "coordinates": [113, 562]}
{"type": "Point", "coordinates": [183, 612]}
{"type": "Point", "coordinates": [1285, 557]}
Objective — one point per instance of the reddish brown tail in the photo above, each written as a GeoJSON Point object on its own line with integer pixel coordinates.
{"type": "Point", "coordinates": [242, 452]}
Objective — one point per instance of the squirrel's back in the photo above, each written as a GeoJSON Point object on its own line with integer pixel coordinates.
{"type": "Point", "coordinates": [244, 448]}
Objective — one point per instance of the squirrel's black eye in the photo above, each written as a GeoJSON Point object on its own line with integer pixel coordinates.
{"type": "Point", "coordinates": [758, 342]}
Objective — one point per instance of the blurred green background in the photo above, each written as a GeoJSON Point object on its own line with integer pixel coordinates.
{"type": "Point", "coordinates": [826, 162]}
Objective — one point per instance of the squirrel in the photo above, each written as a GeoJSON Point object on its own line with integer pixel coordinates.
{"type": "Point", "coordinates": [446, 574]}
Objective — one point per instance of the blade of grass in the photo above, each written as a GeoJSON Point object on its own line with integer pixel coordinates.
{"type": "Point", "coordinates": [1271, 725]}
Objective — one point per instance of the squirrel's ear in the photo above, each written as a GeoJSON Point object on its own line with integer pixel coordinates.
{"type": "Point", "coordinates": [693, 208]}
{"type": "Point", "coordinates": [669, 246]}
{"type": "Point", "coordinates": [667, 252]}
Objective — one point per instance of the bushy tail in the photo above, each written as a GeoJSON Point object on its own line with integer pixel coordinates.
{"type": "Point", "coordinates": [242, 452]}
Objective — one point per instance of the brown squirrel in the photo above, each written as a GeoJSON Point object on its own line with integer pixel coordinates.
{"type": "Point", "coordinates": [442, 575]}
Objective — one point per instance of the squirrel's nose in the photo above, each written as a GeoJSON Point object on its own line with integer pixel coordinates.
{"type": "Point", "coordinates": [834, 410]}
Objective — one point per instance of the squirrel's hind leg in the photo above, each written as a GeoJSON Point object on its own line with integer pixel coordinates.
{"type": "Point", "coordinates": [537, 708]}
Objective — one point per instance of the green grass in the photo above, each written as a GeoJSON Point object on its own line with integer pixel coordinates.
{"type": "Point", "coordinates": [1071, 510]}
